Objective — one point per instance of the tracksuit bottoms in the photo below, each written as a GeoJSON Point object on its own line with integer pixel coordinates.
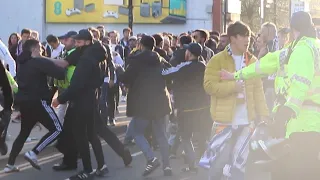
{"type": "Point", "coordinates": [31, 113]}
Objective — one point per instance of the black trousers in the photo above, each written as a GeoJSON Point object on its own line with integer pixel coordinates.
{"type": "Point", "coordinates": [111, 101]}
{"type": "Point", "coordinates": [83, 131]}
{"type": "Point", "coordinates": [31, 113]}
{"type": "Point", "coordinates": [4, 125]}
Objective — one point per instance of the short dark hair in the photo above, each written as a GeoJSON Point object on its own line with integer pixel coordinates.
{"type": "Point", "coordinates": [186, 39]}
{"type": "Point", "coordinates": [238, 28]}
{"type": "Point", "coordinates": [215, 38]}
{"type": "Point", "coordinates": [175, 37]}
{"type": "Point", "coordinates": [126, 29]}
{"type": "Point", "coordinates": [158, 38]}
{"type": "Point", "coordinates": [148, 42]}
{"type": "Point", "coordinates": [100, 26]}
{"type": "Point", "coordinates": [25, 31]}
{"type": "Point", "coordinates": [52, 39]}
{"type": "Point", "coordinates": [215, 33]}
{"type": "Point", "coordinates": [114, 32]}
{"type": "Point", "coordinates": [29, 44]}
{"type": "Point", "coordinates": [203, 33]}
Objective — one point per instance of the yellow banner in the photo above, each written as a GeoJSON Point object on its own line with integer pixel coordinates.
{"type": "Point", "coordinates": [115, 11]}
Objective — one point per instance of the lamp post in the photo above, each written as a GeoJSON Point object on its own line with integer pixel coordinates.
{"type": "Point", "coordinates": [130, 20]}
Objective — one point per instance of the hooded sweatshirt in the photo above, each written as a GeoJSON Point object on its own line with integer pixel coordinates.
{"type": "Point", "coordinates": [87, 77]}
{"type": "Point", "coordinates": [32, 77]}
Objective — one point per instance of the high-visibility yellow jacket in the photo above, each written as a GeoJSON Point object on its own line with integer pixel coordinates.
{"type": "Point", "coordinates": [64, 84]}
{"type": "Point", "coordinates": [297, 82]}
{"type": "Point", "coordinates": [13, 83]}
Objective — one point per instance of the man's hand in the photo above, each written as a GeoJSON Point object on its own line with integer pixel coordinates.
{"type": "Point", "coordinates": [55, 103]}
{"type": "Point", "coordinates": [111, 83]}
{"type": "Point", "coordinates": [226, 75]}
{"type": "Point", "coordinates": [239, 87]}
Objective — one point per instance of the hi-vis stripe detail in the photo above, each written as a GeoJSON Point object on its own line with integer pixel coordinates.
{"type": "Point", "coordinates": [301, 79]}
{"type": "Point", "coordinates": [175, 69]}
{"type": "Point", "coordinates": [316, 56]}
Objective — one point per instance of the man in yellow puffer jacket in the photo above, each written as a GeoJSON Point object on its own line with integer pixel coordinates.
{"type": "Point", "coordinates": [234, 102]}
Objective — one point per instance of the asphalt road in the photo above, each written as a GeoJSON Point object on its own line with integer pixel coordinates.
{"type": "Point", "coordinates": [115, 165]}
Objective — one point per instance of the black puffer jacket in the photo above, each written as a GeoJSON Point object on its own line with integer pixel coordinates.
{"type": "Point", "coordinates": [148, 96]}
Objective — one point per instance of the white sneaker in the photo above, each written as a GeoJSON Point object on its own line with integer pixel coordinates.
{"type": "Point", "coordinates": [31, 157]}
{"type": "Point", "coordinates": [11, 169]}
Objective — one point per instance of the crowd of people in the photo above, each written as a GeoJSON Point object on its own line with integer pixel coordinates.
{"type": "Point", "coordinates": [213, 88]}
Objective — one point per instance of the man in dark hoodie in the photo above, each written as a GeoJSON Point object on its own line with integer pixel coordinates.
{"type": "Point", "coordinates": [81, 94]}
{"type": "Point", "coordinates": [33, 98]}
{"type": "Point", "coordinates": [191, 100]}
{"type": "Point", "coordinates": [148, 102]}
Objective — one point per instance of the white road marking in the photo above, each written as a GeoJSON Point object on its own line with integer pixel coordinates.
{"type": "Point", "coordinates": [136, 154]}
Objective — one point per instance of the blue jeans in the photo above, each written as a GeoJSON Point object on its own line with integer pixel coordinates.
{"type": "Point", "coordinates": [129, 133]}
{"type": "Point", "coordinates": [103, 101]}
{"type": "Point", "coordinates": [158, 128]}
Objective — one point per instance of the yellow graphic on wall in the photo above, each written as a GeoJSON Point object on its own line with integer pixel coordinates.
{"type": "Point", "coordinates": [115, 11]}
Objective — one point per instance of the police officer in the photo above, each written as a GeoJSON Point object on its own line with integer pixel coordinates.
{"type": "Point", "coordinates": [297, 108]}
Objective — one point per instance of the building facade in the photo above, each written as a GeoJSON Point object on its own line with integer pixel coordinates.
{"type": "Point", "coordinates": [34, 14]}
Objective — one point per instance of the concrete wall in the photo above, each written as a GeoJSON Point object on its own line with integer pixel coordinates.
{"type": "Point", "coordinates": [31, 14]}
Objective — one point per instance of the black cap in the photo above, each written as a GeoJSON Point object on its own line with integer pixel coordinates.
{"type": "Point", "coordinates": [148, 41]}
{"type": "Point", "coordinates": [84, 34]}
{"type": "Point", "coordinates": [68, 35]}
{"type": "Point", "coordinates": [194, 48]}
{"type": "Point", "coordinates": [300, 21]}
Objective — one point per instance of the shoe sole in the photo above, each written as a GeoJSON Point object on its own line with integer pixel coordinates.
{"type": "Point", "coordinates": [33, 164]}
{"type": "Point", "coordinates": [13, 171]}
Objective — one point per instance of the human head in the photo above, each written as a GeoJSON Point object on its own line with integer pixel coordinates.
{"type": "Point", "coordinates": [223, 42]}
{"type": "Point", "coordinates": [68, 39]}
{"type": "Point", "coordinates": [114, 37]}
{"type": "Point", "coordinates": [283, 35]}
{"type": "Point", "coordinates": [260, 43]}
{"type": "Point", "coordinates": [185, 39]}
{"type": "Point", "coordinates": [83, 38]}
{"type": "Point", "coordinates": [212, 44]}
{"type": "Point", "coordinates": [126, 33]}
{"type": "Point", "coordinates": [214, 33]}
{"type": "Point", "coordinates": [159, 40]}
{"type": "Point", "coordinates": [174, 41]}
{"type": "Point", "coordinates": [53, 41]}
{"type": "Point", "coordinates": [34, 35]}
{"type": "Point", "coordinates": [133, 42]}
{"type": "Point", "coordinates": [25, 35]}
{"type": "Point", "coordinates": [268, 31]}
{"type": "Point", "coordinates": [32, 47]}
{"type": "Point", "coordinates": [147, 43]}
{"type": "Point", "coordinates": [193, 51]}
{"type": "Point", "coordinates": [96, 33]}
{"type": "Point", "coordinates": [105, 40]}
{"type": "Point", "coordinates": [14, 38]}
{"type": "Point", "coordinates": [301, 24]}
{"type": "Point", "coordinates": [166, 43]}
{"type": "Point", "coordinates": [201, 36]}
{"type": "Point", "coordinates": [102, 31]}
{"type": "Point", "coordinates": [239, 35]}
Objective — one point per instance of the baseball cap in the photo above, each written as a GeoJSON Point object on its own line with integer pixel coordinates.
{"type": "Point", "coordinates": [133, 38]}
{"type": "Point", "coordinates": [68, 35]}
{"type": "Point", "coordinates": [194, 48]}
{"type": "Point", "coordinates": [84, 34]}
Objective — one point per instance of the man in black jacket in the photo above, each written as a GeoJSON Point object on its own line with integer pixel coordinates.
{"type": "Point", "coordinates": [148, 102]}
{"type": "Point", "coordinates": [33, 98]}
{"type": "Point", "coordinates": [191, 100]}
{"type": "Point", "coordinates": [179, 55]}
{"type": "Point", "coordinates": [81, 94]}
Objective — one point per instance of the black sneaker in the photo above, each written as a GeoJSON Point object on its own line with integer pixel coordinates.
{"type": "Point", "coordinates": [127, 158]}
{"type": "Point", "coordinates": [81, 175]}
{"type": "Point", "coordinates": [3, 148]}
{"type": "Point", "coordinates": [190, 169]}
{"type": "Point", "coordinates": [102, 172]}
{"type": "Point", "coordinates": [167, 171]}
{"type": "Point", "coordinates": [151, 166]}
{"type": "Point", "coordinates": [63, 167]}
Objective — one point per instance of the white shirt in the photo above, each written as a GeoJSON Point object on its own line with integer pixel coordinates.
{"type": "Point", "coordinates": [7, 59]}
{"type": "Point", "coordinates": [241, 111]}
{"type": "Point", "coordinates": [113, 47]}
{"type": "Point", "coordinates": [57, 52]}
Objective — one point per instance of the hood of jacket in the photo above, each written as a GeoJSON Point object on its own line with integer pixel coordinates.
{"type": "Point", "coordinates": [96, 51]}
{"type": "Point", "coordinates": [148, 58]}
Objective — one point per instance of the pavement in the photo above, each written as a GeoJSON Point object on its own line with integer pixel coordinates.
{"type": "Point", "coordinates": [51, 156]}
